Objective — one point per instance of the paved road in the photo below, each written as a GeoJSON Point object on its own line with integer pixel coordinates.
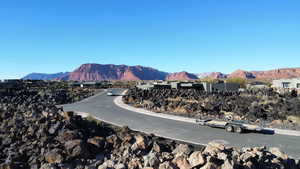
{"type": "Point", "coordinates": [103, 107]}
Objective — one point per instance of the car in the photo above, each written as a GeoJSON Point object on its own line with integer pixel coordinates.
{"type": "Point", "coordinates": [238, 126]}
{"type": "Point", "coordinates": [111, 93]}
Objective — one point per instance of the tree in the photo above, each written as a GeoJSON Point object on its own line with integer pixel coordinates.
{"type": "Point", "coordinates": [238, 80]}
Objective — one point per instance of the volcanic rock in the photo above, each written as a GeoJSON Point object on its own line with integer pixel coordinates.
{"type": "Point", "coordinates": [54, 156]}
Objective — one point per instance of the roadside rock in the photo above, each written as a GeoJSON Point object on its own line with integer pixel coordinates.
{"type": "Point", "coordinates": [196, 159]}
{"type": "Point", "coordinates": [182, 162]}
{"type": "Point", "coordinates": [97, 141]}
{"type": "Point", "coordinates": [77, 148]}
{"type": "Point", "coordinates": [213, 148]}
{"type": "Point", "coordinates": [276, 151]}
{"type": "Point", "coordinates": [140, 143]}
{"type": "Point", "coordinates": [182, 149]}
{"type": "Point", "coordinates": [151, 160]}
{"type": "Point", "coordinates": [167, 165]}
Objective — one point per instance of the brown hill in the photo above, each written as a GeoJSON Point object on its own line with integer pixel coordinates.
{"type": "Point", "coordinates": [97, 72]}
{"type": "Point", "coordinates": [181, 76]}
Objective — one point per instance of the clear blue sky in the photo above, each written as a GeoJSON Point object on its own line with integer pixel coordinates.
{"type": "Point", "coordinates": [171, 35]}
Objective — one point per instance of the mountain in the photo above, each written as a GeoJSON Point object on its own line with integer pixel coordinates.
{"type": "Point", "coordinates": [268, 74]}
{"type": "Point", "coordinates": [98, 72]}
{"type": "Point", "coordinates": [44, 76]}
{"type": "Point", "coordinates": [242, 74]}
{"type": "Point", "coordinates": [181, 76]}
{"type": "Point", "coordinates": [278, 73]}
{"type": "Point", "coordinates": [214, 75]}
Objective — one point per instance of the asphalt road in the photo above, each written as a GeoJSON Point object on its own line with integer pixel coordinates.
{"type": "Point", "coordinates": [103, 107]}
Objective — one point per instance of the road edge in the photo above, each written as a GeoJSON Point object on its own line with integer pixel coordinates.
{"type": "Point", "coordinates": [84, 115]}
{"type": "Point", "coordinates": [119, 102]}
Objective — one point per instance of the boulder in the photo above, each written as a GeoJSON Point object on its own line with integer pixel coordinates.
{"type": "Point", "coordinates": [156, 147]}
{"type": "Point", "coordinates": [67, 135]}
{"type": "Point", "coordinates": [54, 156]}
{"type": "Point", "coordinates": [140, 143]}
{"type": "Point", "coordinates": [107, 164]}
{"type": "Point", "coordinates": [151, 160]}
{"type": "Point", "coordinates": [196, 159]}
{"type": "Point", "coordinates": [120, 166]}
{"type": "Point", "coordinates": [276, 151]}
{"type": "Point", "coordinates": [77, 148]}
{"type": "Point", "coordinates": [213, 148]}
{"type": "Point", "coordinates": [167, 165]}
{"type": "Point", "coordinates": [227, 164]}
{"type": "Point", "coordinates": [167, 156]}
{"type": "Point", "coordinates": [182, 162]}
{"type": "Point", "coordinates": [97, 141]}
{"type": "Point", "coordinates": [182, 149]}
{"type": "Point", "coordinates": [247, 156]}
{"type": "Point", "coordinates": [135, 163]}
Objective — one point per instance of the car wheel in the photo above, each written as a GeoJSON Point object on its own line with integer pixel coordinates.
{"type": "Point", "coordinates": [238, 129]}
{"type": "Point", "coordinates": [229, 128]}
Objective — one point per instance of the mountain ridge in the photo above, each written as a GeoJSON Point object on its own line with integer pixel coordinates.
{"type": "Point", "coordinates": [98, 72]}
{"type": "Point", "coordinates": [44, 76]}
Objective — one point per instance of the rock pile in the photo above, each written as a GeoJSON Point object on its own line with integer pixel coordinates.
{"type": "Point", "coordinates": [250, 105]}
{"type": "Point", "coordinates": [34, 133]}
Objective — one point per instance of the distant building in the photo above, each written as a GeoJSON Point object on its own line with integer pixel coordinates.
{"type": "Point", "coordinates": [205, 86]}
{"type": "Point", "coordinates": [287, 83]}
{"type": "Point", "coordinates": [257, 85]}
{"type": "Point", "coordinates": [221, 87]}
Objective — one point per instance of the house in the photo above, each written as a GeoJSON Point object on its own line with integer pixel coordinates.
{"type": "Point", "coordinates": [293, 83]}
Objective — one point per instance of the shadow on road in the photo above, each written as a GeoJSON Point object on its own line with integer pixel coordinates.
{"type": "Point", "coordinates": [268, 131]}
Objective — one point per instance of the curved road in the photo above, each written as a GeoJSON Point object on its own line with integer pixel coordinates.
{"type": "Point", "coordinates": [103, 107]}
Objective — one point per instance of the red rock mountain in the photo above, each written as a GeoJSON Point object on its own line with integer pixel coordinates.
{"type": "Point", "coordinates": [97, 72]}
{"type": "Point", "coordinates": [242, 74]}
{"type": "Point", "coordinates": [268, 74]}
{"type": "Point", "coordinates": [181, 76]}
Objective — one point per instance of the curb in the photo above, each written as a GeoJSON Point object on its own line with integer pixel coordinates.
{"type": "Point", "coordinates": [118, 101]}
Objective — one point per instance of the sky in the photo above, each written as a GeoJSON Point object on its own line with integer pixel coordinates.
{"type": "Point", "coordinates": [49, 36]}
